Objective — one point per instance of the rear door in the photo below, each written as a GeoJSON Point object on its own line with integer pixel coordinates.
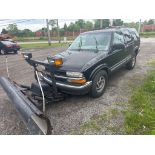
{"type": "Point", "coordinates": [129, 43]}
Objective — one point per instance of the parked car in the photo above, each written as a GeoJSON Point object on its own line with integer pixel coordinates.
{"type": "Point", "coordinates": [8, 46]}
{"type": "Point", "coordinates": [92, 57]}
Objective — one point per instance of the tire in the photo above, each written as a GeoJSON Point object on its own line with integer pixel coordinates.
{"type": "Point", "coordinates": [131, 64]}
{"type": "Point", "coordinates": [2, 52]}
{"type": "Point", "coordinates": [15, 52]}
{"type": "Point", "coordinates": [99, 84]}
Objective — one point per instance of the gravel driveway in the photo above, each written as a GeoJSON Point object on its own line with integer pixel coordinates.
{"type": "Point", "coordinates": [68, 115]}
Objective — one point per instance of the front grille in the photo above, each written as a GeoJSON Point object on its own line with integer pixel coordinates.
{"type": "Point", "coordinates": [58, 76]}
{"type": "Point", "coordinates": [60, 73]}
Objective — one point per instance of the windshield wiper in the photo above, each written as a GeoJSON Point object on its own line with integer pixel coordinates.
{"type": "Point", "coordinates": [80, 44]}
{"type": "Point", "coordinates": [96, 44]}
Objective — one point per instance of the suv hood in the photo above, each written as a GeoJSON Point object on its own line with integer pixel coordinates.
{"type": "Point", "coordinates": [77, 60]}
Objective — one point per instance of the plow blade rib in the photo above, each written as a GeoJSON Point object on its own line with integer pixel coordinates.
{"type": "Point", "coordinates": [34, 119]}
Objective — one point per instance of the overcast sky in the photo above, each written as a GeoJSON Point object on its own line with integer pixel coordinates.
{"type": "Point", "coordinates": [35, 24]}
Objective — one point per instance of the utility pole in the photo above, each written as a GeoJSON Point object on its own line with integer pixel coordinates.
{"type": "Point", "coordinates": [58, 31]}
{"type": "Point", "coordinates": [111, 22]}
{"type": "Point", "coordinates": [139, 26]}
{"type": "Point", "coordinates": [101, 23]}
{"type": "Point", "coordinates": [48, 32]}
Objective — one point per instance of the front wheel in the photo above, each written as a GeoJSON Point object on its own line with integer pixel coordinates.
{"type": "Point", "coordinates": [131, 64]}
{"type": "Point", "coordinates": [99, 84]}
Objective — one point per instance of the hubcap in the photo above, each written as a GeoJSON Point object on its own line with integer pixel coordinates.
{"type": "Point", "coordinates": [2, 52]}
{"type": "Point", "coordinates": [100, 84]}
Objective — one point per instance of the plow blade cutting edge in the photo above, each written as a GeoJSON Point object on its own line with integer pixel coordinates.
{"type": "Point", "coordinates": [34, 119]}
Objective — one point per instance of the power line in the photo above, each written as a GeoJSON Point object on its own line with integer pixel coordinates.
{"type": "Point", "coordinates": [21, 21]}
{"type": "Point", "coordinates": [7, 21]}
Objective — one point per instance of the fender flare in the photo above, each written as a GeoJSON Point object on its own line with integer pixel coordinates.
{"type": "Point", "coordinates": [98, 68]}
{"type": "Point", "coordinates": [136, 50]}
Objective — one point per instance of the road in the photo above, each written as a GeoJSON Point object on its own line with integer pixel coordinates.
{"type": "Point", "coordinates": [69, 115]}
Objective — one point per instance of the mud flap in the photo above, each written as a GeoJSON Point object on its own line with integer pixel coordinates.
{"type": "Point", "coordinates": [36, 122]}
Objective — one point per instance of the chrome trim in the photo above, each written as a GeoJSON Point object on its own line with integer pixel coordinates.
{"type": "Point", "coordinates": [65, 77]}
{"type": "Point", "coordinates": [120, 63]}
{"type": "Point", "coordinates": [86, 85]}
{"type": "Point", "coordinates": [68, 86]}
{"type": "Point", "coordinates": [68, 78]}
{"type": "Point", "coordinates": [59, 76]}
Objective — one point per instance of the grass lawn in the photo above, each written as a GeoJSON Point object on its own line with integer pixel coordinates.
{"type": "Point", "coordinates": [147, 34]}
{"type": "Point", "coordinates": [42, 45]}
{"type": "Point", "coordinates": [140, 118]}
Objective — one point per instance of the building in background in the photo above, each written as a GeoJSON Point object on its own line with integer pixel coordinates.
{"type": "Point", "coordinates": [145, 28]}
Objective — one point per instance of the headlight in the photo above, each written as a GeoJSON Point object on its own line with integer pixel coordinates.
{"type": "Point", "coordinates": [74, 74]}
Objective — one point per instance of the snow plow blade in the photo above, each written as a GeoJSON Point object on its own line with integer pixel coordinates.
{"type": "Point", "coordinates": [36, 122]}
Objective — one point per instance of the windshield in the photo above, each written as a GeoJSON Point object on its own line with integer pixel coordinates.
{"type": "Point", "coordinates": [92, 41]}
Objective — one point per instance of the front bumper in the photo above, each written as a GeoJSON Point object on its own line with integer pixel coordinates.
{"type": "Point", "coordinates": [71, 89]}
{"type": "Point", "coordinates": [12, 49]}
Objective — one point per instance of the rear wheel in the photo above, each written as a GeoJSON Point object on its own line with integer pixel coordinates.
{"type": "Point", "coordinates": [131, 64]}
{"type": "Point", "coordinates": [15, 52]}
{"type": "Point", "coordinates": [99, 84]}
{"type": "Point", "coordinates": [2, 52]}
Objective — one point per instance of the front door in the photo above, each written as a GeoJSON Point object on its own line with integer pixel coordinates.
{"type": "Point", "coordinates": [117, 54]}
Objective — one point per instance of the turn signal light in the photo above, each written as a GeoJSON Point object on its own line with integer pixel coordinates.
{"type": "Point", "coordinates": [78, 81]}
{"type": "Point", "coordinates": [58, 62]}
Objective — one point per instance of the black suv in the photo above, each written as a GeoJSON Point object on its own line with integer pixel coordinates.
{"type": "Point", "coordinates": [8, 46]}
{"type": "Point", "coordinates": [92, 56]}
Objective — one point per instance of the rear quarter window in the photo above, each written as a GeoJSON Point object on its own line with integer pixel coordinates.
{"type": "Point", "coordinates": [127, 35]}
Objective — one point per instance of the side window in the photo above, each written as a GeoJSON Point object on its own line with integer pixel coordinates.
{"type": "Point", "coordinates": [127, 36]}
{"type": "Point", "coordinates": [118, 38]}
{"type": "Point", "coordinates": [134, 35]}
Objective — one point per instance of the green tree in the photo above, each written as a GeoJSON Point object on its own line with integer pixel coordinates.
{"type": "Point", "coordinates": [73, 27]}
{"type": "Point", "coordinates": [89, 25]}
{"type": "Point", "coordinates": [27, 33]}
{"type": "Point", "coordinates": [132, 25]}
{"type": "Point", "coordinates": [53, 23]}
{"type": "Point", "coordinates": [13, 29]}
{"type": "Point", "coordinates": [105, 23]}
{"type": "Point", "coordinates": [117, 22]}
{"type": "Point", "coordinates": [65, 27]}
{"type": "Point", "coordinates": [80, 23]}
{"type": "Point", "coordinates": [4, 31]}
{"type": "Point", "coordinates": [151, 21]}
{"type": "Point", "coordinates": [97, 23]}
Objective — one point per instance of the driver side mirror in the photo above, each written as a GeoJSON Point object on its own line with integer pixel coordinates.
{"type": "Point", "coordinates": [118, 47]}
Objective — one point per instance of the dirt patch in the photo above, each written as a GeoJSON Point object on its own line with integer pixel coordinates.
{"type": "Point", "coordinates": [70, 114]}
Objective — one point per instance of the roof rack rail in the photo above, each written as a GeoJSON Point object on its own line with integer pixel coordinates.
{"type": "Point", "coordinates": [109, 27]}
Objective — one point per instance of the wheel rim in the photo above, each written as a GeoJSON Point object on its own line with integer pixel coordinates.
{"type": "Point", "coordinates": [133, 61]}
{"type": "Point", "coordinates": [2, 52]}
{"type": "Point", "coordinates": [100, 84]}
